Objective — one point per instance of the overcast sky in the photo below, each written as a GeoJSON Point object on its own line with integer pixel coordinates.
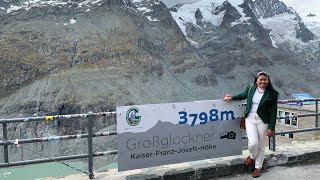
{"type": "Point", "coordinates": [304, 7]}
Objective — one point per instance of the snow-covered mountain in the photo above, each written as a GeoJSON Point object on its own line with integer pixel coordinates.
{"type": "Point", "coordinates": [267, 12]}
{"type": "Point", "coordinates": [309, 11]}
{"type": "Point", "coordinates": [297, 32]}
{"type": "Point", "coordinates": [290, 30]}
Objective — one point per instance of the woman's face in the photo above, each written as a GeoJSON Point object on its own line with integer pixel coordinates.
{"type": "Point", "coordinates": [262, 81]}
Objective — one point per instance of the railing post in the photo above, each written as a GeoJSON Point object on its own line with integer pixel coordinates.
{"type": "Point", "coordinates": [90, 158]}
{"type": "Point", "coordinates": [5, 147]}
{"type": "Point", "coordinates": [317, 111]}
{"type": "Point", "coordinates": [272, 142]}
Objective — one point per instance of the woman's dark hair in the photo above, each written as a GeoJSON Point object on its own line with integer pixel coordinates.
{"type": "Point", "coordinates": [269, 86]}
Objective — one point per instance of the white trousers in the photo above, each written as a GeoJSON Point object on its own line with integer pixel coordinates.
{"type": "Point", "coordinates": [257, 132]}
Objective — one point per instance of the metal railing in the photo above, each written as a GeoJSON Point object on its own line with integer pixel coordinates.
{"type": "Point", "coordinates": [5, 142]}
{"type": "Point", "coordinates": [272, 140]}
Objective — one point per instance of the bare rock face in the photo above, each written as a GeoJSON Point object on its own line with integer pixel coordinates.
{"type": "Point", "coordinates": [268, 9]}
{"type": "Point", "coordinates": [303, 33]}
{"type": "Point", "coordinates": [62, 60]}
{"type": "Point", "coordinates": [254, 27]}
{"type": "Point", "coordinates": [198, 17]}
{"type": "Point", "coordinates": [108, 37]}
{"type": "Point", "coordinates": [231, 13]}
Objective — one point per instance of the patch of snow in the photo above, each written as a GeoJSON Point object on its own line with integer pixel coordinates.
{"type": "Point", "coordinates": [72, 21]}
{"type": "Point", "coordinates": [137, 1]}
{"type": "Point", "coordinates": [152, 19]}
{"type": "Point", "coordinates": [303, 8]}
{"type": "Point", "coordinates": [251, 37]}
{"type": "Point", "coordinates": [192, 42]}
{"type": "Point", "coordinates": [2, 8]}
{"type": "Point", "coordinates": [274, 43]}
{"type": "Point", "coordinates": [236, 3]}
{"type": "Point", "coordinates": [143, 9]}
{"type": "Point", "coordinates": [208, 32]}
{"type": "Point", "coordinates": [13, 8]}
{"type": "Point", "coordinates": [282, 28]}
{"type": "Point", "coordinates": [84, 3]}
{"type": "Point", "coordinates": [239, 21]}
{"type": "Point", "coordinates": [97, 1]}
{"type": "Point", "coordinates": [248, 35]}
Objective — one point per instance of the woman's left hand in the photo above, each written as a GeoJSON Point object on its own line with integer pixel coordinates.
{"type": "Point", "coordinates": [270, 133]}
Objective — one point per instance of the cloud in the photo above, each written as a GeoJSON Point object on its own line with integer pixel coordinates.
{"type": "Point", "coordinates": [304, 7]}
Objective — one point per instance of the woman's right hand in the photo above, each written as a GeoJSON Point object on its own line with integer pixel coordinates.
{"type": "Point", "coordinates": [227, 97]}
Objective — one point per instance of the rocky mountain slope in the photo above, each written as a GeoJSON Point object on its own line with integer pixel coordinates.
{"type": "Point", "coordinates": [75, 56]}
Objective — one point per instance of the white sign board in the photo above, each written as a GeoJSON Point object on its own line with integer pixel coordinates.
{"type": "Point", "coordinates": [158, 134]}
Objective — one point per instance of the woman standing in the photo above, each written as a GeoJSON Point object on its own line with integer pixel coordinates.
{"type": "Point", "coordinates": [260, 114]}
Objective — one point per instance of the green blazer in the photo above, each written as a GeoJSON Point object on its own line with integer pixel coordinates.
{"type": "Point", "coordinates": [267, 109]}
